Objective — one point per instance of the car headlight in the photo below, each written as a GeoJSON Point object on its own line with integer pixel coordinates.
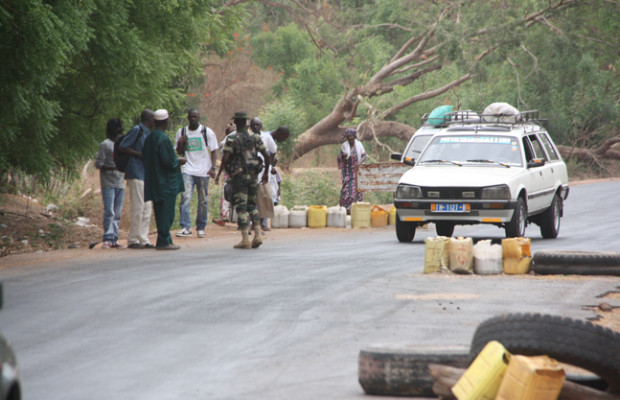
{"type": "Point", "coordinates": [408, 192]}
{"type": "Point", "coordinates": [499, 192]}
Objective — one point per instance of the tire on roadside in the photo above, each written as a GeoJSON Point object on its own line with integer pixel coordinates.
{"type": "Point", "coordinates": [402, 370]}
{"type": "Point", "coordinates": [574, 342]}
{"type": "Point", "coordinates": [559, 262]}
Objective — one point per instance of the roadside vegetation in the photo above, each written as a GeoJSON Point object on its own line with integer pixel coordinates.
{"type": "Point", "coordinates": [316, 67]}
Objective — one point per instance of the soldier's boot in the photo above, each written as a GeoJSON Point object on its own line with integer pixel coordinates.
{"type": "Point", "coordinates": [258, 237]}
{"type": "Point", "coordinates": [245, 240]}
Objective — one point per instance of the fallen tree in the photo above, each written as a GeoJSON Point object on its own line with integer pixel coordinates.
{"type": "Point", "coordinates": [454, 32]}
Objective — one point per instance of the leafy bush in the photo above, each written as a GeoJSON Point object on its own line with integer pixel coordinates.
{"type": "Point", "coordinates": [309, 188]}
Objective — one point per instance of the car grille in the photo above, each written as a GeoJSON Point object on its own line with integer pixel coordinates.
{"type": "Point", "coordinates": [455, 193]}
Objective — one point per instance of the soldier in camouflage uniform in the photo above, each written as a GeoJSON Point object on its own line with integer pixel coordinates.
{"type": "Point", "coordinates": [242, 164]}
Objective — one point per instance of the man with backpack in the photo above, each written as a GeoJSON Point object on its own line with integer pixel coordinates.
{"type": "Point", "coordinates": [242, 164]}
{"type": "Point", "coordinates": [199, 145]}
{"type": "Point", "coordinates": [140, 210]}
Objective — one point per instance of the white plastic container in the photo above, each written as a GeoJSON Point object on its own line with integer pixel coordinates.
{"type": "Point", "coordinates": [336, 217]}
{"type": "Point", "coordinates": [488, 258]}
{"type": "Point", "coordinates": [280, 217]}
{"type": "Point", "coordinates": [298, 217]}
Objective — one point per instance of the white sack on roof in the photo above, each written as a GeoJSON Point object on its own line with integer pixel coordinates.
{"type": "Point", "coordinates": [501, 112]}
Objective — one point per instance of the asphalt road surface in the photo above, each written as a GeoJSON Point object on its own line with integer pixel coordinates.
{"type": "Point", "coordinates": [285, 321]}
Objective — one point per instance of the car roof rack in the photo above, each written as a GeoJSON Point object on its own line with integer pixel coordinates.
{"type": "Point", "coordinates": [478, 118]}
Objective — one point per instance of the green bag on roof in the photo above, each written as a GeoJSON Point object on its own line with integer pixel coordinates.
{"type": "Point", "coordinates": [436, 116]}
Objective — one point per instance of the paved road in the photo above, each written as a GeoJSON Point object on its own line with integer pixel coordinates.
{"type": "Point", "coordinates": [212, 323]}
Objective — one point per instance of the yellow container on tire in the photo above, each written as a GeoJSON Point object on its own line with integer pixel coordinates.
{"type": "Point", "coordinates": [317, 216]}
{"type": "Point", "coordinates": [532, 378]}
{"type": "Point", "coordinates": [484, 376]}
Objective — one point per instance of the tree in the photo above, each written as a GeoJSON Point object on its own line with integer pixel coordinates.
{"type": "Point", "coordinates": [425, 50]}
{"type": "Point", "coordinates": [74, 64]}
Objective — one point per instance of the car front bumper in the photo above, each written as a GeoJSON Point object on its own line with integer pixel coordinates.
{"type": "Point", "coordinates": [477, 211]}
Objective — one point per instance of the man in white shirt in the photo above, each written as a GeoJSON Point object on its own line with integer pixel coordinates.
{"type": "Point", "coordinates": [199, 145]}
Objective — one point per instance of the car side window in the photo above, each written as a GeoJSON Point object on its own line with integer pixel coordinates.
{"type": "Point", "coordinates": [527, 149]}
{"type": "Point", "coordinates": [539, 152]}
{"type": "Point", "coordinates": [546, 142]}
{"type": "Point", "coordinates": [417, 144]}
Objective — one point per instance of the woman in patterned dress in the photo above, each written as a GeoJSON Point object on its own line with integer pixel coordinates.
{"type": "Point", "coordinates": [351, 153]}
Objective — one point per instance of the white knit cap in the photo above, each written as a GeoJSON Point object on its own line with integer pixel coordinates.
{"type": "Point", "coordinates": [160, 115]}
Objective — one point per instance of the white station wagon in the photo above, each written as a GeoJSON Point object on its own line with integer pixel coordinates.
{"type": "Point", "coordinates": [490, 169]}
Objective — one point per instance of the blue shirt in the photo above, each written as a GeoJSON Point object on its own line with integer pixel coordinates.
{"type": "Point", "coordinates": [135, 166]}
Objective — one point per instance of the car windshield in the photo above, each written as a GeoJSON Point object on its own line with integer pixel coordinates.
{"type": "Point", "coordinates": [417, 145]}
{"type": "Point", "coordinates": [500, 151]}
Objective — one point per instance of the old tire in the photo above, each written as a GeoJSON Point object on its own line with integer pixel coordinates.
{"type": "Point", "coordinates": [405, 231]}
{"type": "Point", "coordinates": [574, 342]}
{"type": "Point", "coordinates": [397, 370]}
{"type": "Point", "coordinates": [444, 228]}
{"type": "Point", "coordinates": [550, 219]}
{"type": "Point", "coordinates": [560, 262]}
{"type": "Point", "coordinates": [516, 226]}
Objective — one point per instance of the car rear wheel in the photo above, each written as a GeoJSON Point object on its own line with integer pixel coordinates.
{"type": "Point", "coordinates": [550, 219]}
{"type": "Point", "coordinates": [516, 226]}
{"type": "Point", "coordinates": [444, 228]}
{"type": "Point", "coordinates": [405, 231]}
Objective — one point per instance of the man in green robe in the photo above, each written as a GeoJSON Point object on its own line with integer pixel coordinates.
{"type": "Point", "coordinates": [163, 180]}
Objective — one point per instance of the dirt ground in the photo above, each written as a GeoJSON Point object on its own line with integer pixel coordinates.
{"type": "Point", "coordinates": [30, 232]}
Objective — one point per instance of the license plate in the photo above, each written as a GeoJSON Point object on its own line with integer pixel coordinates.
{"type": "Point", "coordinates": [450, 207]}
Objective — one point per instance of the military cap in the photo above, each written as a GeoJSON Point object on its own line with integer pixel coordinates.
{"type": "Point", "coordinates": [240, 115]}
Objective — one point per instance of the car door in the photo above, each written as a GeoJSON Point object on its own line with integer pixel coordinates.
{"type": "Point", "coordinates": [534, 176]}
{"type": "Point", "coordinates": [542, 179]}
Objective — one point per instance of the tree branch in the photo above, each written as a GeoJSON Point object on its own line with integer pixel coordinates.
{"type": "Point", "coordinates": [426, 95]}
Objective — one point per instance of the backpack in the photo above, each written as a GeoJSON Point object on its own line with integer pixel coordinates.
{"type": "Point", "coordinates": [247, 159]}
{"type": "Point", "coordinates": [121, 159]}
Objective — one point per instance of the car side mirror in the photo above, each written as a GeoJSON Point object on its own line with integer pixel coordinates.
{"type": "Point", "coordinates": [535, 163]}
{"type": "Point", "coordinates": [396, 156]}
{"type": "Point", "coordinates": [409, 161]}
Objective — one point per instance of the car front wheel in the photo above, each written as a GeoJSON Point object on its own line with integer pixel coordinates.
{"type": "Point", "coordinates": [405, 231]}
{"type": "Point", "coordinates": [516, 226]}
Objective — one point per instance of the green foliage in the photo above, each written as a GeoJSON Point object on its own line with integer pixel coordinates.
{"type": "Point", "coordinates": [317, 85]}
{"type": "Point", "coordinates": [74, 64]}
{"type": "Point", "coordinates": [310, 188]}
{"type": "Point", "coordinates": [379, 198]}
{"type": "Point", "coordinates": [282, 49]}
{"type": "Point", "coordinates": [284, 112]}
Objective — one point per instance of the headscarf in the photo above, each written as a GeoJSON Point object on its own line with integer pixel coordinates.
{"type": "Point", "coordinates": [346, 148]}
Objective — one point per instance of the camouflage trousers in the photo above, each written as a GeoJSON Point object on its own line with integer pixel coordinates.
{"type": "Point", "coordinates": [245, 187]}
